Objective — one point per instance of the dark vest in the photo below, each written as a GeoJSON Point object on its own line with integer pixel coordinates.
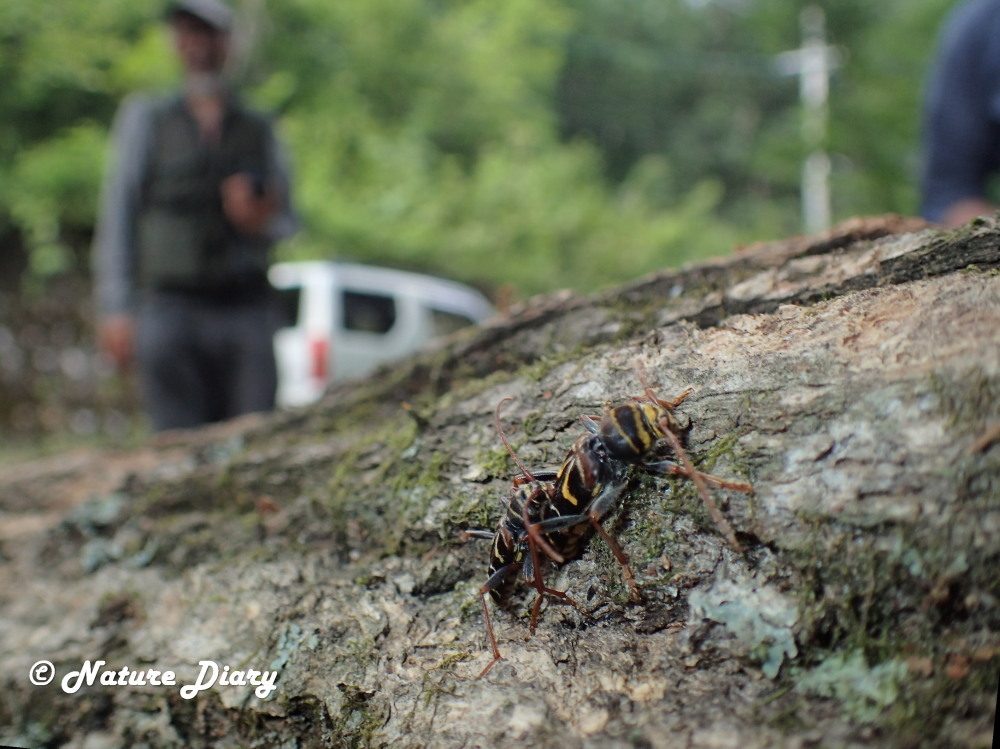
{"type": "Point", "coordinates": [183, 238]}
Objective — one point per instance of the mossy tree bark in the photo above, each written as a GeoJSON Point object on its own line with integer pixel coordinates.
{"type": "Point", "coordinates": [852, 378]}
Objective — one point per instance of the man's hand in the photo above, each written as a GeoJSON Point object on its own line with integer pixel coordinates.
{"type": "Point", "coordinates": [245, 209]}
{"type": "Point", "coordinates": [963, 211]}
{"type": "Point", "coordinates": [116, 337]}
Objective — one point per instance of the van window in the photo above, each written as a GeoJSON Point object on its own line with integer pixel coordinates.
{"type": "Point", "coordinates": [444, 323]}
{"type": "Point", "coordinates": [288, 306]}
{"type": "Point", "coordinates": [368, 313]}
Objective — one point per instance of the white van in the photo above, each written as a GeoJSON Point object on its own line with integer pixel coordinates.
{"type": "Point", "coordinates": [341, 320]}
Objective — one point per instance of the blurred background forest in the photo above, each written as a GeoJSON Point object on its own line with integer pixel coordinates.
{"type": "Point", "coordinates": [539, 144]}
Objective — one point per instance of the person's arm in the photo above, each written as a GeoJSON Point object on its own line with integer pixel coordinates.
{"type": "Point", "coordinates": [959, 129]}
{"type": "Point", "coordinates": [268, 212]}
{"type": "Point", "coordinates": [113, 254]}
{"type": "Point", "coordinates": [964, 210]}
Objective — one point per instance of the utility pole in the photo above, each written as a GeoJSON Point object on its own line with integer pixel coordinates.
{"type": "Point", "coordinates": [812, 63]}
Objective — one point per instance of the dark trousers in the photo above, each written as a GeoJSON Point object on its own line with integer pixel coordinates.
{"type": "Point", "coordinates": [203, 360]}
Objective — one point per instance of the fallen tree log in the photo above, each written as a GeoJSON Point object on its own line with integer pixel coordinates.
{"type": "Point", "coordinates": [852, 378]}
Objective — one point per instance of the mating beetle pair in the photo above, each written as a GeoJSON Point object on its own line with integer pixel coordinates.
{"type": "Point", "coordinates": [553, 513]}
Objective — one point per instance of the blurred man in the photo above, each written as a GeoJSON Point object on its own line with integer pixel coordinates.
{"type": "Point", "coordinates": [196, 198]}
{"type": "Point", "coordinates": [962, 116]}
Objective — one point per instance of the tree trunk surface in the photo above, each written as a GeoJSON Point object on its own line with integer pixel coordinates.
{"type": "Point", "coordinates": [852, 378]}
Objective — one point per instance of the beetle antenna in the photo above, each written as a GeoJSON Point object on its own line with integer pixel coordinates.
{"type": "Point", "coordinates": [503, 438]}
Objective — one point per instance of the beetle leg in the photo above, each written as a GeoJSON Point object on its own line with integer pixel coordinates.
{"type": "Point", "coordinates": [533, 571]}
{"type": "Point", "coordinates": [698, 478]}
{"type": "Point", "coordinates": [672, 404]}
{"type": "Point", "coordinates": [592, 424]}
{"type": "Point", "coordinates": [666, 467]}
{"type": "Point", "coordinates": [542, 591]}
{"type": "Point", "coordinates": [494, 581]}
{"type": "Point", "coordinates": [633, 588]}
{"type": "Point", "coordinates": [535, 538]}
{"type": "Point", "coordinates": [600, 507]}
{"type": "Point", "coordinates": [471, 533]}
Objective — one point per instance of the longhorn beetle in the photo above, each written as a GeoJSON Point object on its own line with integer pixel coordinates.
{"type": "Point", "coordinates": [556, 511]}
{"type": "Point", "coordinates": [515, 548]}
{"type": "Point", "coordinates": [594, 474]}
{"type": "Point", "coordinates": [630, 432]}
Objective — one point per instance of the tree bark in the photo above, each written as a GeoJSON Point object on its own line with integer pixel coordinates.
{"type": "Point", "coordinates": [851, 378]}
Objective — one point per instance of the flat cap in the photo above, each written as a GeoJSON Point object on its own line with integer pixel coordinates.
{"type": "Point", "coordinates": [215, 13]}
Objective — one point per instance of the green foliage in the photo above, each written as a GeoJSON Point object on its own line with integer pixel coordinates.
{"type": "Point", "coordinates": [52, 186]}
{"type": "Point", "coordinates": [434, 144]}
{"type": "Point", "coordinates": [881, 87]}
{"type": "Point", "coordinates": [58, 60]}
{"type": "Point", "coordinates": [543, 143]}
{"type": "Point", "coordinates": [716, 107]}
